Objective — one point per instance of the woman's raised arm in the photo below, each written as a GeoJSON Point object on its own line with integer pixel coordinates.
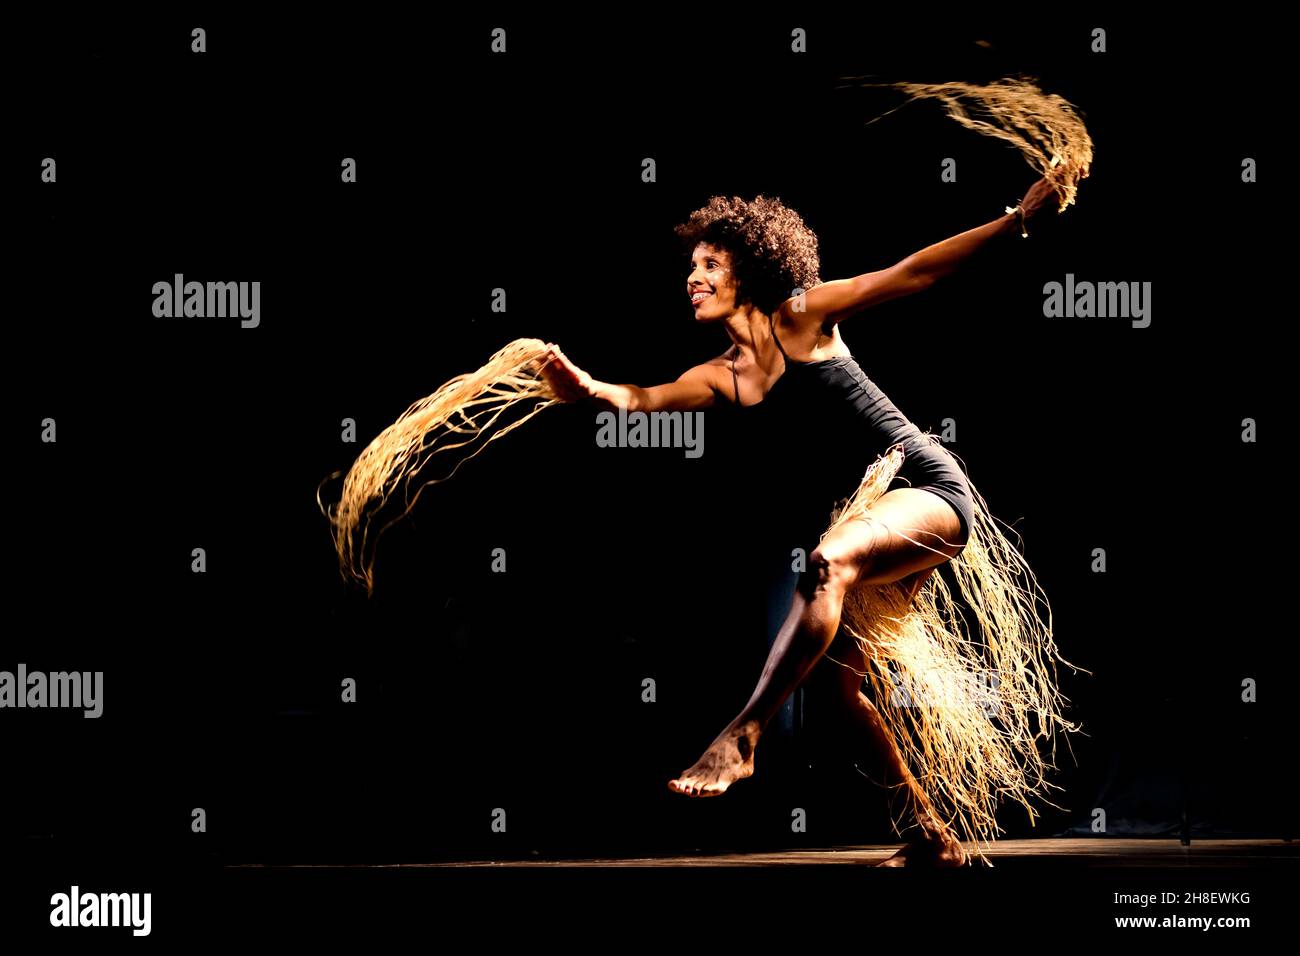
{"type": "Point", "coordinates": [837, 300]}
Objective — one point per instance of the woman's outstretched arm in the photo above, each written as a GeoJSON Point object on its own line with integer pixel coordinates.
{"type": "Point", "coordinates": [841, 298]}
{"type": "Point", "coordinates": [695, 388]}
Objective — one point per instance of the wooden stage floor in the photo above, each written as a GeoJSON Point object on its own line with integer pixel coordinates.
{"type": "Point", "coordinates": [1070, 852]}
{"type": "Point", "coordinates": [1038, 892]}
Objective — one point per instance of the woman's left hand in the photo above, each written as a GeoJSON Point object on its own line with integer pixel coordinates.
{"type": "Point", "coordinates": [567, 381]}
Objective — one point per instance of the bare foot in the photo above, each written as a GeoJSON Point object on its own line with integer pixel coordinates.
{"type": "Point", "coordinates": [728, 759]}
{"type": "Point", "coordinates": [937, 846]}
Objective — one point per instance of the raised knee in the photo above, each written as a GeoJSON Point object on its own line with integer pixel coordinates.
{"type": "Point", "coordinates": [832, 569]}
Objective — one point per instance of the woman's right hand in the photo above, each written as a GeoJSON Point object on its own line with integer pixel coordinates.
{"type": "Point", "coordinates": [567, 381]}
{"type": "Point", "coordinates": [1041, 195]}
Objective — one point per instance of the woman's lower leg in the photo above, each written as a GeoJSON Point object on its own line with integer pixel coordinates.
{"type": "Point", "coordinates": [808, 631]}
{"type": "Point", "coordinates": [865, 551]}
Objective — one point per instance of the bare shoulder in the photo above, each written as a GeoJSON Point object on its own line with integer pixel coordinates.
{"type": "Point", "coordinates": [721, 361]}
{"type": "Point", "coordinates": [807, 334]}
{"type": "Point", "coordinates": [716, 372]}
{"type": "Point", "coordinates": [794, 317]}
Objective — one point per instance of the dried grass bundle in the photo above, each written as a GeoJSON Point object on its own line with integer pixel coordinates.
{"type": "Point", "coordinates": [1045, 127]}
{"type": "Point", "coordinates": [454, 416]}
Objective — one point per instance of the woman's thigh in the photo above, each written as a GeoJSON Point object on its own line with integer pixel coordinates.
{"type": "Point", "coordinates": [908, 534]}
{"type": "Point", "coordinates": [905, 531]}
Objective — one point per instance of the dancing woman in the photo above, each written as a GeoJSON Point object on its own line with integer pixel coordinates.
{"type": "Point", "coordinates": [754, 270]}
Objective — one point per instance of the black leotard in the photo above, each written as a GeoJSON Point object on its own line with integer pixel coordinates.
{"type": "Point", "coordinates": [834, 418]}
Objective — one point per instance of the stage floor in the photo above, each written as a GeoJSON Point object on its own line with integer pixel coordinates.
{"type": "Point", "coordinates": [1071, 852]}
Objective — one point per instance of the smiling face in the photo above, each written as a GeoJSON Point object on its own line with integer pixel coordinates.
{"type": "Point", "coordinates": [711, 285]}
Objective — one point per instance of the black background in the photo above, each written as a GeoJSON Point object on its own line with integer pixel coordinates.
{"type": "Point", "coordinates": [522, 171]}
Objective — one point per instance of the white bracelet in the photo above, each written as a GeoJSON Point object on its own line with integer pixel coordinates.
{"type": "Point", "coordinates": [1020, 215]}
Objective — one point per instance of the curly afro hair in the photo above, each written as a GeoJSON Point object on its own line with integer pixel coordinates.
{"type": "Point", "coordinates": [773, 251]}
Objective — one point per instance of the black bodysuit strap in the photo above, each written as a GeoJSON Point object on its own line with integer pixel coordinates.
{"type": "Point", "coordinates": [772, 322]}
{"type": "Point", "coordinates": [735, 382]}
